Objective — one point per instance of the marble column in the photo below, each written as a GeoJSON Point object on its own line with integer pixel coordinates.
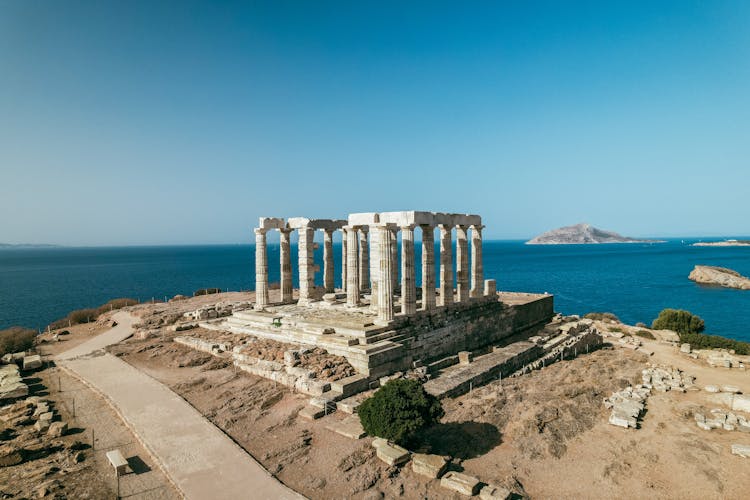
{"type": "Point", "coordinates": [446, 265]}
{"type": "Point", "coordinates": [306, 245]}
{"type": "Point", "coordinates": [364, 259]}
{"type": "Point", "coordinates": [462, 264]}
{"type": "Point", "coordinates": [385, 289]}
{"type": "Point", "coordinates": [374, 269]}
{"type": "Point", "coordinates": [408, 277]}
{"type": "Point", "coordinates": [394, 259]}
{"type": "Point", "coordinates": [352, 273]}
{"type": "Point", "coordinates": [344, 257]}
{"type": "Point", "coordinates": [328, 260]}
{"type": "Point", "coordinates": [261, 270]}
{"type": "Point", "coordinates": [428, 267]}
{"type": "Point", "coordinates": [477, 266]}
{"type": "Point", "coordinates": [286, 265]}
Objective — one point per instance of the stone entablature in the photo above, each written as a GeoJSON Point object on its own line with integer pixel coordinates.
{"type": "Point", "coordinates": [373, 265]}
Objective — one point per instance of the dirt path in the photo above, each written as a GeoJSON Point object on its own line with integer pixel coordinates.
{"type": "Point", "coordinates": [200, 460]}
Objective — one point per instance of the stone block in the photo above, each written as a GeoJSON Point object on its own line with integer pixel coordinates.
{"type": "Point", "coordinates": [391, 454]}
{"type": "Point", "coordinates": [461, 483]}
{"type": "Point", "coordinates": [10, 455]}
{"type": "Point", "coordinates": [41, 425]}
{"type": "Point", "coordinates": [32, 362]}
{"type": "Point", "coordinates": [742, 450]}
{"type": "Point", "coordinates": [492, 492]}
{"type": "Point", "coordinates": [685, 348]}
{"type": "Point", "coordinates": [712, 388]}
{"type": "Point", "coordinates": [431, 466]}
{"type": "Point", "coordinates": [57, 429]}
{"type": "Point", "coordinates": [741, 402]}
{"type": "Point", "coordinates": [465, 357]}
{"type": "Point", "coordinates": [48, 416]}
{"type": "Point", "coordinates": [730, 389]}
{"type": "Point", "coordinates": [349, 427]}
{"type": "Point", "coordinates": [310, 412]}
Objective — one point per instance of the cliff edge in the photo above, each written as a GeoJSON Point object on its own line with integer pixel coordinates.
{"type": "Point", "coordinates": [721, 276]}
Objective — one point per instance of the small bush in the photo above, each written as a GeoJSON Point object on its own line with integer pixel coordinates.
{"type": "Point", "coordinates": [645, 334]}
{"type": "Point", "coordinates": [398, 410]}
{"type": "Point", "coordinates": [679, 321]}
{"type": "Point", "coordinates": [16, 339]}
{"type": "Point", "coordinates": [206, 291]}
{"type": "Point", "coordinates": [616, 329]}
{"type": "Point", "coordinates": [703, 341]}
{"type": "Point", "coordinates": [603, 316]}
{"type": "Point", "coordinates": [83, 316]}
{"type": "Point", "coordinates": [88, 315]}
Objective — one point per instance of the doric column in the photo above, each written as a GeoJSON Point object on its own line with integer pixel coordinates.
{"type": "Point", "coordinates": [385, 289]}
{"type": "Point", "coordinates": [462, 264]}
{"type": "Point", "coordinates": [477, 266]}
{"type": "Point", "coordinates": [408, 278]}
{"type": "Point", "coordinates": [352, 261]}
{"type": "Point", "coordinates": [328, 260]}
{"type": "Point", "coordinates": [446, 265]}
{"type": "Point", "coordinates": [261, 270]}
{"type": "Point", "coordinates": [394, 258]}
{"type": "Point", "coordinates": [306, 245]}
{"type": "Point", "coordinates": [364, 259]}
{"type": "Point", "coordinates": [374, 269]}
{"type": "Point", "coordinates": [286, 265]}
{"type": "Point", "coordinates": [344, 257]}
{"type": "Point", "coordinates": [428, 267]}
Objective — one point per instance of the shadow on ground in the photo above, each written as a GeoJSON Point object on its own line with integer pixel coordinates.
{"type": "Point", "coordinates": [459, 439]}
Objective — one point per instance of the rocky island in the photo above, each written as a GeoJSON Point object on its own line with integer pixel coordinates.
{"type": "Point", "coordinates": [580, 234]}
{"type": "Point", "coordinates": [721, 276]}
{"type": "Point", "coordinates": [725, 243]}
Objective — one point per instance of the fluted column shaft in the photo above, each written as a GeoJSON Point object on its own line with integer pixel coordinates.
{"type": "Point", "coordinates": [446, 265]}
{"type": "Point", "coordinates": [286, 265]}
{"type": "Point", "coordinates": [306, 245]}
{"type": "Point", "coordinates": [477, 265]}
{"type": "Point", "coordinates": [261, 269]}
{"type": "Point", "coordinates": [408, 277]}
{"type": "Point", "coordinates": [462, 264]}
{"type": "Point", "coordinates": [385, 288]}
{"type": "Point", "coordinates": [364, 259]}
{"type": "Point", "coordinates": [394, 259]}
{"type": "Point", "coordinates": [328, 260]}
{"type": "Point", "coordinates": [374, 269]}
{"type": "Point", "coordinates": [344, 258]}
{"type": "Point", "coordinates": [352, 273]}
{"type": "Point", "coordinates": [428, 267]}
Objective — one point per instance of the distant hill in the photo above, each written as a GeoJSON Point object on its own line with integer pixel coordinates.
{"type": "Point", "coordinates": [581, 234]}
{"type": "Point", "coordinates": [13, 246]}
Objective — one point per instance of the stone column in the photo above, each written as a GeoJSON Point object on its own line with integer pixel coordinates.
{"type": "Point", "coordinates": [394, 259]}
{"type": "Point", "coordinates": [364, 259]}
{"type": "Point", "coordinates": [462, 264]}
{"type": "Point", "coordinates": [344, 257]}
{"type": "Point", "coordinates": [477, 266]}
{"type": "Point", "coordinates": [385, 289]}
{"type": "Point", "coordinates": [352, 261]}
{"type": "Point", "coordinates": [428, 267]}
{"type": "Point", "coordinates": [261, 270]}
{"type": "Point", "coordinates": [328, 260]}
{"type": "Point", "coordinates": [374, 269]}
{"type": "Point", "coordinates": [306, 246]}
{"type": "Point", "coordinates": [408, 278]}
{"type": "Point", "coordinates": [286, 265]}
{"type": "Point", "coordinates": [446, 265]}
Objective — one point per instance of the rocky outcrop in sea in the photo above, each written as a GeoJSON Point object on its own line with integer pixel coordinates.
{"type": "Point", "coordinates": [721, 276]}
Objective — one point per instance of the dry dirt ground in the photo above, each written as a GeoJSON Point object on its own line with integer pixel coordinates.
{"type": "Point", "coordinates": [545, 434]}
{"type": "Point", "coordinates": [69, 466]}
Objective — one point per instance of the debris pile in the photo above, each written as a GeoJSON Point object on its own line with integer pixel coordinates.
{"type": "Point", "coordinates": [627, 406]}
{"type": "Point", "coordinates": [720, 419]}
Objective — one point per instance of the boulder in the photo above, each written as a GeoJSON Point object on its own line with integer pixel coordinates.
{"type": "Point", "coordinates": [461, 483]}
{"type": "Point", "coordinates": [685, 348]}
{"type": "Point", "coordinates": [431, 466]}
{"type": "Point", "coordinates": [57, 429]}
{"type": "Point", "coordinates": [10, 455]}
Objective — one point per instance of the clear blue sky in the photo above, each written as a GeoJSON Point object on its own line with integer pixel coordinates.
{"type": "Point", "coordinates": [181, 122]}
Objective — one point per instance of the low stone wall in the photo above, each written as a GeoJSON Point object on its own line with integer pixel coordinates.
{"type": "Point", "coordinates": [214, 311]}
{"type": "Point", "coordinates": [202, 345]}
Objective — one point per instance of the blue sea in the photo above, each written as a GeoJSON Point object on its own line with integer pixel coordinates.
{"type": "Point", "coordinates": [634, 281]}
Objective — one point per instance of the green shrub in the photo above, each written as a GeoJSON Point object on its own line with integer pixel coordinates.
{"type": "Point", "coordinates": [616, 329]}
{"type": "Point", "coordinates": [16, 339]}
{"type": "Point", "coordinates": [398, 410]}
{"type": "Point", "coordinates": [679, 321]}
{"type": "Point", "coordinates": [603, 316]}
{"type": "Point", "coordinates": [206, 291]}
{"type": "Point", "coordinates": [703, 341]}
{"type": "Point", "coordinates": [91, 314]}
{"type": "Point", "coordinates": [645, 334]}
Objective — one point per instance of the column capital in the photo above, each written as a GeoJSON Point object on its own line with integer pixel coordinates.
{"type": "Point", "coordinates": [285, 230]}
{"type": "Point", "coordinates": [407, 227]}
{"type": "Point", "coordinates": [477, 227]}
{"type": "Point", "coordinates": [259, 230]}
{"type": "Point", "coordinates": [364, 229]}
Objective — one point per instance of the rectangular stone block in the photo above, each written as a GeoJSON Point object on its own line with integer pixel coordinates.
{"type": "Point", "coordinates": [391, 454]}
{"type": "Point", "coordinates": [431, 466]}
{"type": "Point", "coordinates": [461, 483]}
{"type": "Point", "coordinates": [491, 492]}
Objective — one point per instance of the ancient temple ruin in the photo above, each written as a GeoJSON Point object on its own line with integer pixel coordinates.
{"type": "Point", "coordinates": [379, 322]}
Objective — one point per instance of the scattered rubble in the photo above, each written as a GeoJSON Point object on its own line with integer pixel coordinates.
{"type": "Point", "coordinates": [11, 384]}
{"type": "Point", "coordinates": [627, 406]}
